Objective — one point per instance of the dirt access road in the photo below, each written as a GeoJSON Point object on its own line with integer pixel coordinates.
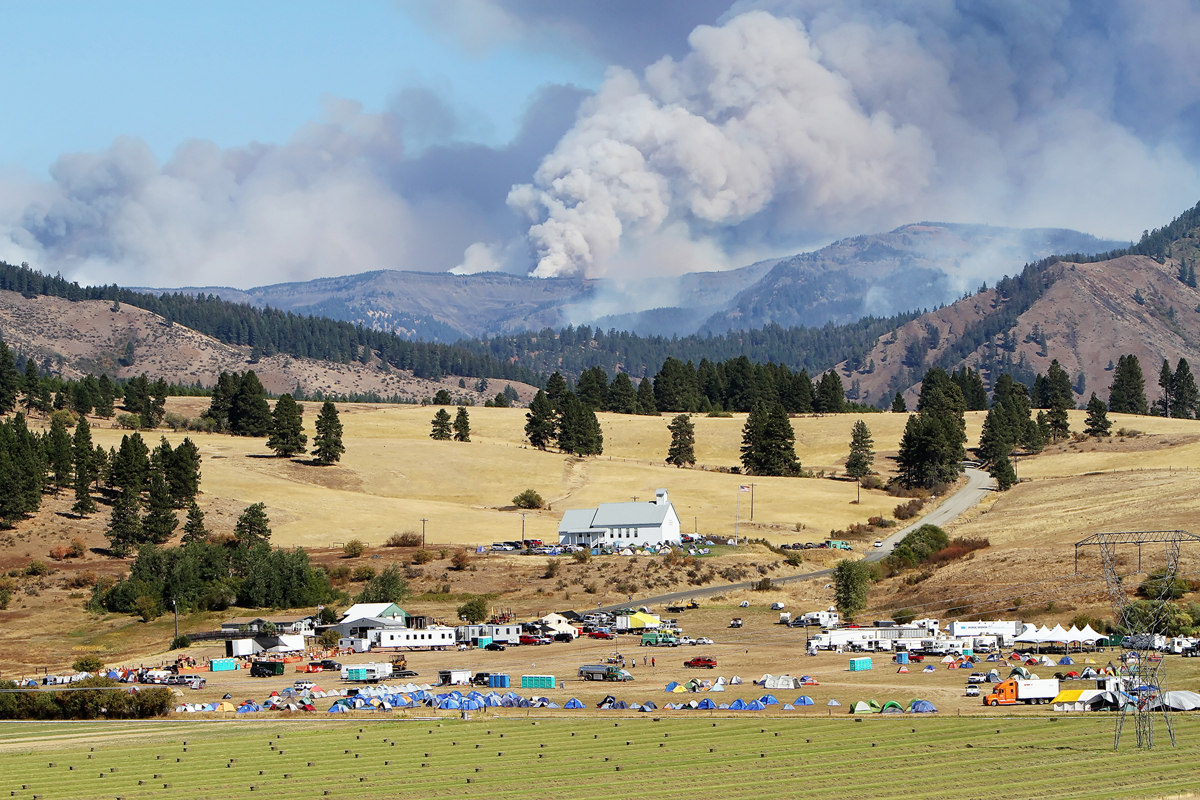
{"type": "Point", "coordinates": [977, 487]}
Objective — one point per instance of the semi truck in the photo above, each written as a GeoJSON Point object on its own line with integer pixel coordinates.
{"type": "Point", "coordinates": [1015, 690]}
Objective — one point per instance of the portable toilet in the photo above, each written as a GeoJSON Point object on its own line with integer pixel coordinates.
{"type": "Point", "coordinates": [224, 664]}
{"type": "Point", "coordinates": [537, 681]}
{"type": "Point", "coordinates": [497, 681]}
{"type": "Point", "coordinates": [484, 641]}
{"type": "Point", "coordinates": [860, 664]}
{"type": "Point", "coordinates": [902, 658]}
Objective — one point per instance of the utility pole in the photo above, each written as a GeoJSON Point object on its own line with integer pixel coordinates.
{"type": "Point", "coordinates": [752, 502]}
{"type": "Point", "coordinates": [522, 529]}
{"type": "Point", "coordinates": [175, 605]}
{"type": "Point", "coordinates": [423, 521]}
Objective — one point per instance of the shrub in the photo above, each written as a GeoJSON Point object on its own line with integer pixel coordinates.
{"type": "Point", "coordinates": [910, 509]}
{"type": "Point", "coordinates": [422, 557]}
{"type": "Point", "coordinates": [5, 598]}
{"type": "Point", "coordinates": [81, 580]}
{"type": "Point", "coordinates": [475, 610]}
{"type": "Point", "coordinates": [460, 560]}
{"type": "Point", "coordinates": [405, 539]}
{"type": "Point", "coordinates": [339, 574]}
{"type": "Point", "coordinates": [37, 568]}
{"type": "Point", "coordinates": [763, 585]}
{"type": "Point", "coordinates": [329, 638]}
{"type": "Point", "coordinates": [590, 588]}
{"type": "Point", "coordinates": [76, 549]}
{"type": "Point", "coordinates": [958, 548]}
{"type": "Point", "coordinates": [903, 616]}
{"type": "Point", "coordinates": [88, 663]}
{"type": "Point", "coordinates": [871, 482]}
{"type": "Point", "coordinates": [176, 421]}
{"type": "Point", "coordinates": [581, 556]}
{"type": "Point", "coordinates": [58, 553]}
{"type": "Point", "coordinates": [793, 558]}
{"type": "Point", "coordinates": [146, 606]}
{"type": "Point", "coordinates": [353, 548]}
{"type": "Point", "coordinates": [881, 522]}
{"type": "Point", "coordinates": [363, 572]}
{"type": "Point", "coordinates": [917, 547]}
{"type": "Point", "coordinates": [1131, 433]}
{"type": "Point", "coordinates": [181, 641]}
{"type": "Point", "coordinates": [553, 567]}
{"type": "Point", "coordinates": [130, 421]}
{"type": "Point", "coordinates": [528, 499]}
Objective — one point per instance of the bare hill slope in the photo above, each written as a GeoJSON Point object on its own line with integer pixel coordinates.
{"type": "Point", "coordinates": [88, 336]}
{"type": "Point", "coordinates": [1090, 314]}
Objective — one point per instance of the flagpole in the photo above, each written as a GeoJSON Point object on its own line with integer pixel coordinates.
{"type": "Point", "coordinates": [737, 516]}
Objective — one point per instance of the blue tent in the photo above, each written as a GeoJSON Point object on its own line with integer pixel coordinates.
{"type": "Point", "coordinates": [803, 700]}
{"type": "Point", "coordinates": [768, 700]}
{"type": "Point", "coordinates": [833, 703]}
{"type": "Point", "coordinates": [671, 686]}
{"type": "Point", "coordinates": [470, 704]}
{"type": "Point", "coordinates": [737, 705]}
{"type": "Point", "coordinates": [573, 703]}
{"type": "Point", "coordinates": [649, 705]}
{"type": "Point", "coordinates": [1065, 660]}
{"type": "Point", "coordinates": [725, 706]}
{"type": "Point", "coordinates": [921, 707]}
{"type": "Point", "coordinates": [706, 705]}
{"type": "Point", "coordinates": [621, 705]}
{"type": "Point", "coordinates": [450, 703]}
{"type": "Point", "coordinates": [755, 705]}
{"type": "Point", "coordinates": [337, 708]}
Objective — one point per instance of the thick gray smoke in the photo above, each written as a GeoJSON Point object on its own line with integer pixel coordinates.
{"type": "Point", "coordinates": [791, 122]}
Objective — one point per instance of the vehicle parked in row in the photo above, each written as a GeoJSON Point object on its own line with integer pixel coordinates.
{"type": "Point", "coordinates": [494, 647]}
{"type": "Point", "coordinates": [701, 662]}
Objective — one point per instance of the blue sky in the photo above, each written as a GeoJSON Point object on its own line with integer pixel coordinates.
{"type": "Point", "coordinates": [82, 73]}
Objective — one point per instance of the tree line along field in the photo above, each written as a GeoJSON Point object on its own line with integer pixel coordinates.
{"type": "Point", "coordinates": [902, 757]}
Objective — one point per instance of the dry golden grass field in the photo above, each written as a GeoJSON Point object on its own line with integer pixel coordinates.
{"type": "Point", "coordinates": [393, 475]}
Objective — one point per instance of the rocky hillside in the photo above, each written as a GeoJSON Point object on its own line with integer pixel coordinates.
{"type": "Point", "coordinates": [79, 337]}
{"type": "Point", "coordinates": [913, 267]}
{"type": "Point", "coordinates": [1086, 316]}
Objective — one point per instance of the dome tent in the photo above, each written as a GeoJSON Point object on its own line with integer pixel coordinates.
{"type": "Point", "coordinates": [573, 703]}
{"type": "Point", "coordinates": [861, 707]}
{"type": "Point", "coordinates": [892, 707]}
{"type": "Point", "coordinates": [803, 700]}
{"type": "Point", "coordinates": [921, 707]}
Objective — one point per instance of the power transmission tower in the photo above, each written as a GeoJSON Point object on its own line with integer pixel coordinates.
{"type": "Point", "coordinates": [1141, 663]}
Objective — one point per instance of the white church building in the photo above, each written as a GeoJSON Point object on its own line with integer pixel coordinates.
{"type": "Point", "coordinates": [618, 525]}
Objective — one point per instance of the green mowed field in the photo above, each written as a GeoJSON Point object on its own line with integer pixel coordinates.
{"type": "Point", "coordinates": [719, 757]}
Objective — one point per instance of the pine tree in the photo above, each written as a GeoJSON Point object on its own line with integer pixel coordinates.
{"type": "Point", "coordinates": [1184, 394]}
{"type": "Point", "coordinates": [441, 426]}
{"type": "Point", "coordinates": [221, 404]}
{"type": "Point", "coordinates": [131, 465]}
{"type": "Point", "coordinates": [31, 386]}
{"type": "Point", "coordinates": [593, 388]}
{"type": "Point", "coordinates": [501, 401]}
{"type": "Point", "coordinates": [1060, 426]}
{"type": "Point", "coordinates": [1166, 382]}
{"type": "Point", "coordinates": [287, 428]}
{"type": "Point", "coordinates": [862, 456]}
{"type": "Point", "coordinates": [193, 528]}
{"type": "Point", "coordinates": [183, 473]}
{"type": "Point", "coordinates": [10, 380]}
{"type": "Point", "coordinates": [124, 526]}
{"type": "Point", "coordinates": [253, 526]}
{"type": "Point", "coordinates": [540, 424]}
{"type": "Point", "coordinates": [556, 389]}
{"type": "Point", "coordinates": [1097, 423]}
{"type": "Point", "coordinates": [898, 404]}
{"type": "Point", "coordinates": [622, 396]}
{"type": "Point", "coordinates": [682, 451]}
{"type": "Point", "coordinates": [1004, 473]}
{"type": "Point", "coordinates": [85, 468]}
{"type": "Point", "coordinates": [1127, 395]}
{"type": "Point", "coordinates": [58, 453]}
{"type": "Point", "coordinates": [579, 431]}
{"type": "Point", "coordinates": [646, 404]}
{"type": "Point", "coordinates": [442, 398]}
{"type": "Point", "coordinates": [462, 426]}
{"type": "Point", "coordinates": [769, 443]}
{"type": "Point", "coordinates": [327, 444]}
{"type": "Point", "coordinates": [250, 414]}
{"type": "Point", "coordinates": [830, 397]}
{"type": "Point", "coordinates": [160, 521]}
{"type": "Point", "coordinates": [104, 400]}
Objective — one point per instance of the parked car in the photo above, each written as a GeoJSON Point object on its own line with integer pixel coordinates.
{"type": "Point", "coordinates": [329, 665]}
{"type": "Point", "coordinates": [303, 684]}
{"type": "Point", "coordinates": [977, 677]}
{"type": "Point", "coordinates": [701, 662]}
{"type": "Point", "coordinates": [972, 691]}
{"type": "Point", "coordinates": [495, 647]}
{"type": "Point", "coordinates": [602, 635]}
{"type": "Point", "coordinates": [703, 640]}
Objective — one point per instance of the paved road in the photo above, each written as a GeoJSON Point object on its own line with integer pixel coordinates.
{"type": "Point", "coordinates": [979, 484]}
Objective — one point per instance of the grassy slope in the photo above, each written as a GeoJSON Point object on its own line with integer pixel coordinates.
{"type": "Point", "coordinates": [570, 758]}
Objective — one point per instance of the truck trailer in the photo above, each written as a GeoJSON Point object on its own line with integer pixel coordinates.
{"type": "Point", "coordinates": [603, 672]}
{"type": "Point", "coordinates": [1015, 690]}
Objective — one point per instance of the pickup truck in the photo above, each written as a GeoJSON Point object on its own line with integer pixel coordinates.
{"type": "Point", "coordinates": [701, 662]}
{"type": "Point", "coordinates": [602, 635]}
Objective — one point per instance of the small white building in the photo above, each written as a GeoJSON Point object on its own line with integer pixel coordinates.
{"type": "Point", "coordinates": [432, 637]}
{"type": "Point", "coordinates": [504, 633]}
{"type": "Point", "coordinates": [618, 525]}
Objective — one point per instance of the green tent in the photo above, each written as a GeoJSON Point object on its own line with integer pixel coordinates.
{"type": "Point", "coordinates": [875, 707]}
{"type": "Point", "coordinates": [892, 707]}
{"type": "Point", "coordinates": [861, 708]}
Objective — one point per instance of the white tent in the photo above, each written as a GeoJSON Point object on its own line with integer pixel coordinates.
{"type": "Point", "coordinates": [735, 681]}
{"type": "Point", "coordinates": [1059, 634]}
{"type": "Point", "coordinates": [1178, 701]}
{"type": "Point", "coordinates": [1089, 636]}
{"type": "Point", "coordinates": [1073, 634]}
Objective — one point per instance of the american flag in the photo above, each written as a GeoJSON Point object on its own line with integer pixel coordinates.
{"type": "Point", "coordinates": [744, 487]}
